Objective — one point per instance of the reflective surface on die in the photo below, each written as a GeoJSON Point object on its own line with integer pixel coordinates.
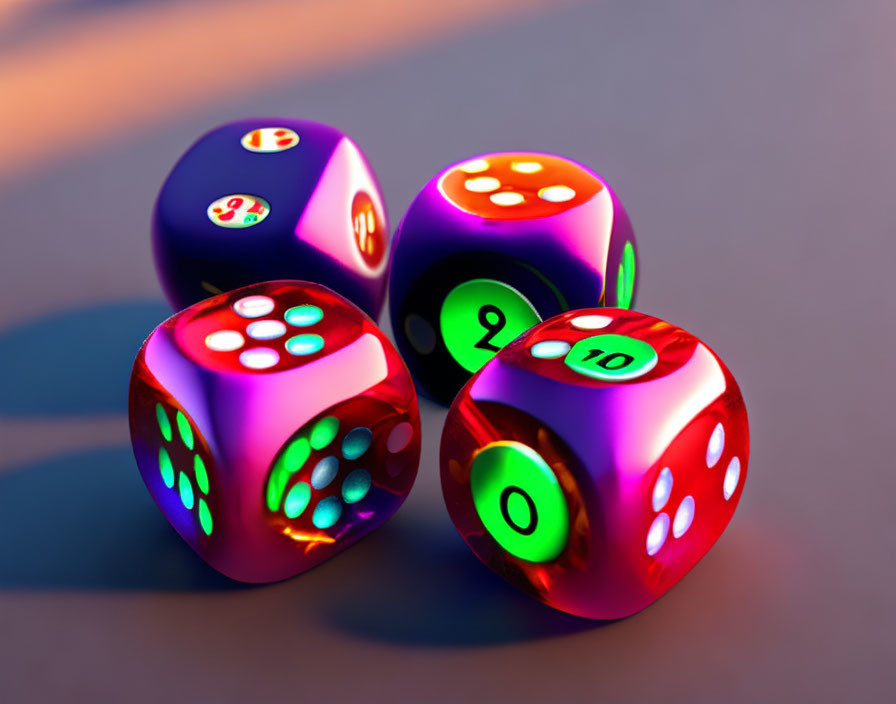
{"type": "Point", "coordinates": [495, 244]}
{"type": "Point", "coordinates": [271, 198]}
{"type": "Point", "coordinates": [631, 426]}
{"type": "Point", "coordinates": [274, 426]}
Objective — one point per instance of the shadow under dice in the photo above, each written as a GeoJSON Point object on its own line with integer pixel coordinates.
{"type": "Point", "coordinates": [492, 246]}
{"type": "Point", "coordinates": [264, 199]}
{"type": "Point", "coordinates": [274, 426]}
{"type": "Point", "coordinates": [596, 459]}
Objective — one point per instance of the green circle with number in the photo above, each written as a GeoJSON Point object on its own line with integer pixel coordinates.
{"type": "Point", "coordinates": [611, 357]}
{"type": "Point", "coordinates": [479, 317]}
{"type": "Point", "coordinates": [519, 501]}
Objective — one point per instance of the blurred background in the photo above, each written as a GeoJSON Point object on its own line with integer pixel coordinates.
{"type": "Point", "coordinates": [753, 146]}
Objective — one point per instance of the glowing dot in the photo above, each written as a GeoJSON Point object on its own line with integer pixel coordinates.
{"type": "Point", "coordinates": [732, 477]}
{"type": "Point", "coordinates": [716, 445]}
{"type": "Point", "coordinates": [656, 536]}
{"type": "Point", "coordinates": [166, 468]}
{"type": "Point", "coordinates": [557, 194]}
{"type": "Point", "coordinates": [482, 184]}
{"type": "Point", "coordinates": [186, 432]}
{"type": "Point", "coordinates": [356, 486]}
{"type": "Point", "coordinates": [303, 316]}
{"type": "Point", "coordinates": [323, 432]}
{"type": "Point", "coordinates": [474, 167]}
{"type": "Point", "coordinates": [549, 349]}
{"type": "Point", "coordinates": [399, 437]}
{"type": "Point", "coordinates": [327, 512]}
{"type": "Point", "coordinates": [253, 306]}
{"type": "Point", "coordinates": [224, 341]}
{"type": "Point", "coordinates": [297, 500]}
{"type": "Point", "coordinates": [356, 443]}
{"type": "Point", "coordinates": [164, 423]}
{"type": "Point", "coordinates": [297, 453]}
{"type": "Point", "coordinates": [526, 167]}
{"type": "Point", "coordinates": [259, 358]}
{"type": "Point", "coordinates": [324, 472]}
{"type": "Point", "coordinates": [684, 516]}
{"type": "Point", "coordinates": [506, 198]}
{"type": "Point", "coordinates": [185, 489]}
{"type": "Point", "coordinates": [591, 322]}
{"type": "Point", "coordinates": [205, 517]}
{"type": "Point", "coordinates": [662, 489]}
{"type": "Point", "coordinates": [201, 474]}
{"type": "Point", "coordinates": [265, 329]}
{"type": "Point", "coordinates": [302, 345]}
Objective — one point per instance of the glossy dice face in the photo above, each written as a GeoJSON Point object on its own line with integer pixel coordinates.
{"type": "Point", "coordinates": [596, 459]}
{"type": "Point", "coordinates": [266, 199]}
{"type": "Point", "coordinates": [493, 245]}
{"type": "Point", "coordinates": [274, 426]}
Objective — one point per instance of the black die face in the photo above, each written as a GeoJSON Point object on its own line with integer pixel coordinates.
{"type": "Point", "coordinates": [423, 329]}
{"type": "Point", "coordinates": [230, 206]}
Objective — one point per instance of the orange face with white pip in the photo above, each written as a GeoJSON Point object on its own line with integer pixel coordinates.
{"type": "Point", "coordinates": [370, 237]}
{"type": "Point", "coordinates": [518, 186]}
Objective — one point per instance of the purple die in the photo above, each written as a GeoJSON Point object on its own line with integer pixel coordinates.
{"type": "Point", "coordinates": [271, 198]}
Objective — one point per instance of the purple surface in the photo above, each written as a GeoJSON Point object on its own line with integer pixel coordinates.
{"type": "Point", "coordinates": [753, 146]}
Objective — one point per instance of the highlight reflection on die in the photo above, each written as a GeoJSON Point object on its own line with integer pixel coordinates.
{"type": "Point", "coordinates": [274, 426]}
{"type": "Point", "coordinates": [594, 460]}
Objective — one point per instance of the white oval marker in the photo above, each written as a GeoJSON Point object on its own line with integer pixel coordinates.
{"type": "Point", "coordinates": [253, 306]}
{"type": "Point", "coordinates": [662, 489]}
{"type": "Point", "coordinates": [557, 194]}
{"type": "Point", "coordinates": [684, 516]}
{"type": "Point", "coordinates": [506, 198]}
{"type": "Point", "coordinates": [591, 322]}
{"type": "Point", "coordinates": [224, 341]}
{"type": "Point", "coordinates": [656, 536]}
{"type": "Point", "coordinates": [526, 167]}
{"type": "Point", "coordinates": [482, 184]}
{"type": "Point", "coordinates": [716, 445]}
{"type": "Point", "coordinates": [259, 358]}
{"type": "Point", "coordinates": [732, 477]}
{"type": "Point", "coordinates": [265, 329]}
{"type": "Point", "coordinates": [474, 166]}
{"type": "Point", "coordinates": [549, 349]}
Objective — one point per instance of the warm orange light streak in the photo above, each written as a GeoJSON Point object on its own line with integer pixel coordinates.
{"type": "Point", "coordinates": [120, 71]}
{"type": "Point", "coordinates": [312, 540]}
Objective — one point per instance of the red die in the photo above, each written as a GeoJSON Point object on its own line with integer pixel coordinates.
{"type": "Point", "coordinates": [274, 426]}
{"type": "Point", "coordinates": [596, 459]}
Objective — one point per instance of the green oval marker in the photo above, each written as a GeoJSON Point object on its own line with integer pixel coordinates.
{"type": "Point", "coordinates": [611, 357]}
{"type": "Point", "coordinates": [625, 278]}
{"type": "Point", "coordinates": [186, 432]}
{"type": "Point", "coordinates": [164, 423]}
{"type": "Point", "coordinates": [479, 317]}
{"type": "Point", "coordinates": [519, 501]}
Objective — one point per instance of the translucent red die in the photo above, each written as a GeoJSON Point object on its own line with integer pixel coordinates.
{"type": "Point", "coordinates": [596, 459]}
{"type": "Point", "coordinates": [274, 426]}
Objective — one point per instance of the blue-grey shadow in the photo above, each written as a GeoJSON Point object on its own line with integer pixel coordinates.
{"type": "Point", "coordinates": [419, 584]}
{"type": "Point", "coordinates": [85, 521]}
{"type": "Point", "coordinates": [75, 362]}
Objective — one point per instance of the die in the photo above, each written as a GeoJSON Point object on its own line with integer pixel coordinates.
{"type": "Point", "coordinates": [493, 245]}
{"type": "Point", "coordinates": [274, 426]}
{"type": "Point", "coordinates": [270, 198]}
{"type": "Point", "coordinates": [596, 459]}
